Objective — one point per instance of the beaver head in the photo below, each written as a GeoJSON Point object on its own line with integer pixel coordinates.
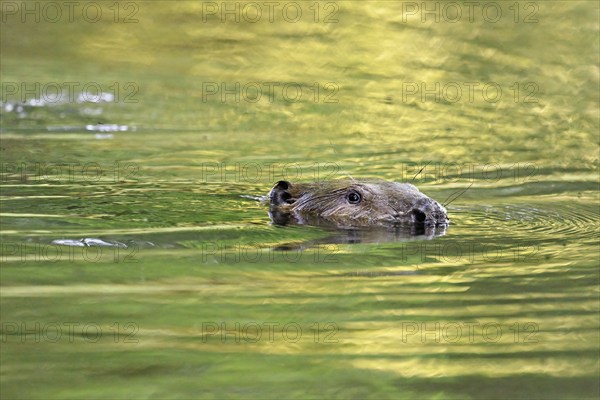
{"type": "Point", "coordinates": [355, 203]}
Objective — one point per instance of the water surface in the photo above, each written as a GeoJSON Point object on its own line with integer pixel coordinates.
{"type": "Point", "coordinates": [195, 117]}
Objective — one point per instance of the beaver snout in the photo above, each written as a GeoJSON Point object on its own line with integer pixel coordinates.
{"type": "Point", "coordinates": [418, 216]}
{"type": "Point", "coordinates": [429, 213]}
{"type": "Point", "coordinates": [436, 218]}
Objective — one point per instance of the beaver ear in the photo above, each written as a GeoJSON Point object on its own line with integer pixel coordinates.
{"type": "Point", "coordinates": [280, 193]}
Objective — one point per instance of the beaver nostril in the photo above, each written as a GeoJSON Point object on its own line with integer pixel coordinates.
{"type": "Point", "coordinates": [285, 196]}
{"type": "Point", "coordinates": [419, 215]}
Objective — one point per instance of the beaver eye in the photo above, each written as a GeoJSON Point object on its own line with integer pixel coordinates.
{"type": "Point", "coordinates": [353, 197]}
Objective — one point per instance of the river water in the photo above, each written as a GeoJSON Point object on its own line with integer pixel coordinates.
{"type": "Point", "coordinates": [137, 262]}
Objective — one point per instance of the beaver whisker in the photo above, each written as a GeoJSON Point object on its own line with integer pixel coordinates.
{"type": "Point", "coordinates": [460, 194]}
{"type": "Point", "coordinates": [421, 170]}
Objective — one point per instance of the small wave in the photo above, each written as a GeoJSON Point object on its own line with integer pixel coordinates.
{"type": "Point", "coordinates": [566, 219]}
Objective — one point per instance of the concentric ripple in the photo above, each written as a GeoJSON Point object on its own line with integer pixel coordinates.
{"type": "Point", "coordinates": [567, 219]}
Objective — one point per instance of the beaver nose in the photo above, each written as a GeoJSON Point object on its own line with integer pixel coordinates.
{"type": "Point", "coordinates": [418, 216]}
{"type": "Point", "coordinates": [430, 215]}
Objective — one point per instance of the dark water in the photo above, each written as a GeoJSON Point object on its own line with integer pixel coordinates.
{"type": "Point", "coordinates": [171, 121]}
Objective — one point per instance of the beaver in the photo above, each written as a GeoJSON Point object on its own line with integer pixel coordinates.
{"type": "Point", "coordinates": [351, 203]}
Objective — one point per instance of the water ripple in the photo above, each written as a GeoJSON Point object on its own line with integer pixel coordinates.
{"type": "Point", "coordinates": [560, 219]}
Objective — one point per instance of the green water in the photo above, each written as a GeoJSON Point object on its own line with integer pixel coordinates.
{"type": "Point", "coordinates": [208, 299]}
